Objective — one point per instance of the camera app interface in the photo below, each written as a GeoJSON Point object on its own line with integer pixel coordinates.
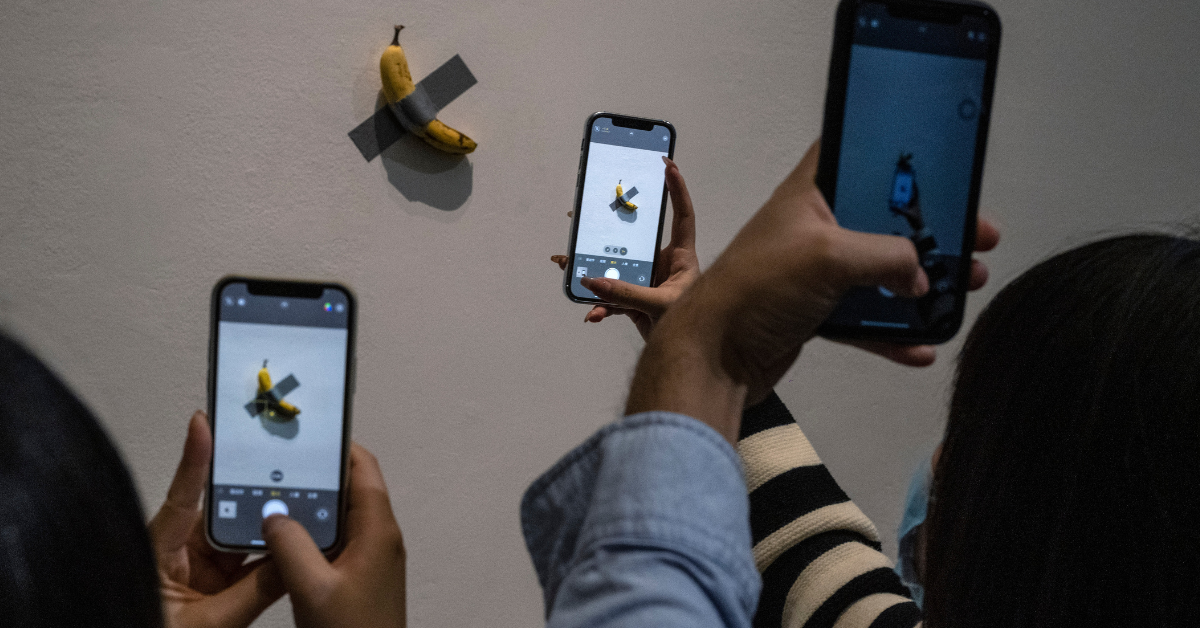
{"type": "Point", "coordinates": [912, 116]}
{"type": "Point", "coordinates": [622, 203]}
{"type": "Point", "coordinates": [278, 416]}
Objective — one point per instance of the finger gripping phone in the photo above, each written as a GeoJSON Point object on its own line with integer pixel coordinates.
{"type": "Point", "coordinates": [281, 357]}
{"type": "Point", "coordinates": [902, 150]}
{"type": "Point", "coordinates": [620, 198]}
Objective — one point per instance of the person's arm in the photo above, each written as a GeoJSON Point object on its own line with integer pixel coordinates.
{"type": "Point", "coordinates": [817, 552]}
{"type": "Point", "coordinates": [644, 524]}
{"type": "Point", "coordinates": [727, 341]}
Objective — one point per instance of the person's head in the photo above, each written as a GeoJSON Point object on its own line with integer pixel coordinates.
{"type": "Point", "coordinates": [73, 542]}
{"type": "Point", "coordinates": [1068, 487]}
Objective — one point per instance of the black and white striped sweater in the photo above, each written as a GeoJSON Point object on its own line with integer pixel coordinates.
{"type": "Point", "coordinates": [818, 554]}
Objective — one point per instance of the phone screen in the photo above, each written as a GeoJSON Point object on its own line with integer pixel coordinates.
{"type": "Point", "coordinates": [909, 156]}
{"type": "Point", "coordinates": [620, 206]}
{"type": "Point", "coordinates": [279, 404]}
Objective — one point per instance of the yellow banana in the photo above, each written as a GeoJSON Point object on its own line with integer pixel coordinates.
{"type": "Point", "coordinates": [264, 379]}
{"type": "Point", "coordinates": [393, 68]}
{"type": "Point", "coordinates": [626, 204]}
{"type": "Point", "coordinates": [280, 407]}
{"type": "Point", "coordinates": [442, 137]}
{"type": "Point", "coordinates": [398, 84]}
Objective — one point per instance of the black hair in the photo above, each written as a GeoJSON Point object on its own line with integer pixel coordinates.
{"type": "Point", "coordinates": [1068, 488]}
{"type": "Point", "coordinates": [73, 543]}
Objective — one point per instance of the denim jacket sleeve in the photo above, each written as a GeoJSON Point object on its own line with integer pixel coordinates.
{"type": "Point", "coordinates": [644, 524]}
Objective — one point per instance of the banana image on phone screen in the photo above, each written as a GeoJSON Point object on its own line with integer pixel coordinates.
{"type": "Point", "coordinates": [279, 401]}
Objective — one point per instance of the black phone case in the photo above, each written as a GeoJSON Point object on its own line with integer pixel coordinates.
{"type": "Point", "coordinates": [344, 481]}
{"type": "Point", "coordinates": [579, 178]}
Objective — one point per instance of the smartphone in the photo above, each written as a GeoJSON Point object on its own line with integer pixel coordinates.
{"type": "Point", "coordinates": [280, 382]}
{"type": "Point", "coordinates": [620, 198]}
{"type": "Point", "coordinates": [902, 149]}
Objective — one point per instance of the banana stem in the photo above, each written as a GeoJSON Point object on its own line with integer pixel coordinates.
{"type": "Point", "coordinates": [396, 38]}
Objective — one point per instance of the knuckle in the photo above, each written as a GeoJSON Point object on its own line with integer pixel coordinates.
{"type": "Point", "coordinates": [367, 456]}
{"type": "Point", "coordinates": [395, 544]}
{"type": "Point", "coordinates": [823, 250]}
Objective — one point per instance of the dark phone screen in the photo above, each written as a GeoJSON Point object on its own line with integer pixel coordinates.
{"type": "Point", "coordinates": [267, 458]}
{"type": "Point", "coordinates": [617, 235]}
{"type": "Point", "coordinates": [913, 113]}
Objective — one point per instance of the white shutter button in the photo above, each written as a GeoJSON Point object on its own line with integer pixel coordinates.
{"type": "Point", "coordinates": [274, 507]}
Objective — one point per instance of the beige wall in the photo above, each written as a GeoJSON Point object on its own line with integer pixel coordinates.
{"type": "Point", "coordinates": [148, 148]}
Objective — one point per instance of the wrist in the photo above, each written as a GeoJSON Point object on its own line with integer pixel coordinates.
{"type": "Point", "coordinates": [680, 371]}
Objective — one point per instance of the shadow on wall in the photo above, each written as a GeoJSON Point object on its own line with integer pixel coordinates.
{"type": "Point", "coordinates": [424, 174]}
{"type": "Point", "coordinates": [283, 429]}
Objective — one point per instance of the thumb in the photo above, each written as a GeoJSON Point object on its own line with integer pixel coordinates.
{"type": "Point", "coordinates": [882, 260]}
{"type": "Point", "coordinates": [301, 564]}
{"type": "Point", "coordinates": [627, 295]}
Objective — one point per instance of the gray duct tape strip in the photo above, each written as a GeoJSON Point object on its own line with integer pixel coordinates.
{"type": "Point", "coordinates": [622, 199]}
{"type": "Point", "coordinates": [281, 389]}
{"type": "Point", "coordinates": [438, 89]}
{"type": "Point", "coordinates": [419, 107]}
{"type": "Point", "coordinates": [259, 404]}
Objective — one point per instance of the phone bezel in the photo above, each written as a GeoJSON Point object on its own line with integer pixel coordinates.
{"type": "Point", "coordinates": [580, 178]}
{"type": "Point", "coordinates": [831, 139]}
{"type": "Point", "coordinates": [293, 288]}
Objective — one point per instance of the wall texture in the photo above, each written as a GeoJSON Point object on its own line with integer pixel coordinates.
{"type": "Point", "coordinates": [148, 148]}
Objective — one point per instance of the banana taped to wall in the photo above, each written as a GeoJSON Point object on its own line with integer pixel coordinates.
{"type": "Point", "coordinates": [413, 108]}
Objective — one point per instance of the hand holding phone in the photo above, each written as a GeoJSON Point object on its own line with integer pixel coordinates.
{"type": "Point", "coordinates": [902, 151]}
{"type": "Point", "coordinates": [365, 584]}
{"type": "Point", "coordinates": [676, 267]}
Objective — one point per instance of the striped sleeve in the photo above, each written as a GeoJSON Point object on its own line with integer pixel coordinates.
{"type": "Point", "coordinates": [818, 554]}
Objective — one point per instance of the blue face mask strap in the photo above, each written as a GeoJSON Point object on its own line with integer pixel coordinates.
{"type": "Point", "coordinates": [916, 507]}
